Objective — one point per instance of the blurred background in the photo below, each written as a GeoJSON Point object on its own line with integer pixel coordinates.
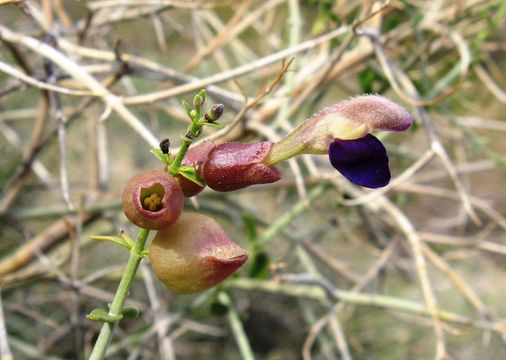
{"type": "Point", "coordinates": [415, 270]}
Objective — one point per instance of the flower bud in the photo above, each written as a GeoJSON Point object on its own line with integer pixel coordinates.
{"type": "Point", "coordinates": [152, 200]}
{"type": "Point", "coordinates": [195, 157]}
{"type": "Point", "coordinates": [232, 166]}
{"type": "Point", "coordinates": [198, 101]}
{"type": "Point", "coordinates": [214, 113]}
{"type": "Point", "coordinates": [347, 120]}
{"type": "Point", "coordinates": [194, 254]}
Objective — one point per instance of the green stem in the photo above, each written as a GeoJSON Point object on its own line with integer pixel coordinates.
{"type": "Point", "coordinates": [237, 329]}
{"type": "Point", "coordinates": [193, 129]}
{"type": "Point", "coordinates": [116, 307]}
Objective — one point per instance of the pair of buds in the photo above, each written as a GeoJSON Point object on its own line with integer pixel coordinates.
{"type": "Point", "coordinates": [191, 252]}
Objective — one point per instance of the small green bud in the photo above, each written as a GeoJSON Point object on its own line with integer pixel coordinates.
{"type": "Point", "coordinates": [198, 101]}
{"type": "Point", "coordinates": [202, 94]}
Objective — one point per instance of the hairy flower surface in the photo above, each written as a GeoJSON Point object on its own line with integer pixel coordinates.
{"type": "Point", "coordinates": [343, 131]}
{"type": "Point", "coordinates": [194, 254]}
{"type": "Point", "coordinates": [232, 166]}
{"type": "Point", "coordinates": [153, 200]}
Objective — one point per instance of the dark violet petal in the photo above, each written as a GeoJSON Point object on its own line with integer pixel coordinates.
{"type": "Point", "coordinates": [363, 161]}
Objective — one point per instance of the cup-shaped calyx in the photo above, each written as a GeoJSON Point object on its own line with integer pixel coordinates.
{"type": "Point", "coordinates": [194, 254]}
{"type": "Point", "coordinates": [153, 200]}
{"type": "Point", "coordinates": [232, 166]}
{"type": "Point", "coordinates": [195, 157]}
{"type": "Point", "coordinates": [343, 131]}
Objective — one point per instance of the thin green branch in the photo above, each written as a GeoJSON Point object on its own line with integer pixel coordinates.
{"type": "Point", "coordinates": [383, 301]}
{"type": "Point", "coordinates": [136, 255]}
{"type": "Point", "coordinates": [237, 329]}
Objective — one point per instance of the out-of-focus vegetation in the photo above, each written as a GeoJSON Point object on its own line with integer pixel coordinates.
{"type": "Point", "coordinates": [412, 271]}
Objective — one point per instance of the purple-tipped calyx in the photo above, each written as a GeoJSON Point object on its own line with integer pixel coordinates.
{"type": "Point", "coordinates": [342, 130]}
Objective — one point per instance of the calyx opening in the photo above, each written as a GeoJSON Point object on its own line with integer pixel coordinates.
{"type": "Point", "coordinates": [151, 197]}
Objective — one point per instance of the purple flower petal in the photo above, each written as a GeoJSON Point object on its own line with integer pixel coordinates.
{"type": "Point", "coordinates": [363, 161]}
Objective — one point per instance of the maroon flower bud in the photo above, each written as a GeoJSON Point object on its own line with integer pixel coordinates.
{"type": "Point", "coordinates": [153, 200]}
{"type": "Point", "coordinates": [195, 157]}
{"type": "Point", "coordinates": [194, 254]}
{"type": "Point", "coordinates": [214, 113]}
{"type": "Point", "coordinates": [232, 166]}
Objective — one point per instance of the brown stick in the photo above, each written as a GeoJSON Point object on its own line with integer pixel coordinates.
{"type": "Point", "coordinates": [54, 233]}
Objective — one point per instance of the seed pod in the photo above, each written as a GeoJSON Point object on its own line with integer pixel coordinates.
{"type": "Point", "coordinates": [153, 200]}
{"type": "Point", "coordinates": [194, 254]}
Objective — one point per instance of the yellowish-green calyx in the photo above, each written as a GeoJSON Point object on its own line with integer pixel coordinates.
{"type": "Point", "coordinates": [314, 136]}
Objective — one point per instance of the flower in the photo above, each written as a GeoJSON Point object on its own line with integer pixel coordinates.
{"type": "Point", "coordinates": [194, 254]}
{"type": "Point", "coordinates": [153, 200]}
{"type": "Point", "coordinates": [343, 131]}
{"type": "Point", "coordinates": [233, 166]}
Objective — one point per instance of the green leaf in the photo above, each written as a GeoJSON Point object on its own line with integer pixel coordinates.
{"type": "Point", "coordinates": [115, 239]}
{"type": "Point", "coordinates": [259, 266]}
{"type": "Point", "coordinates": [102, 316]}
{"type": "Point", "coordinates": [217, 308]}
{"type": "Point", "coordinates": [391, 22]}
{"type": "Point", "coordinates": [249, 227]}
{"type": "Point", "coordinates": [160, 155]}
{"type": "Point", "coordinates": [127, 239]}
{"type": "Point", "coordinates": [187, 168]}
{"type": "Point", "coordinates": [188, 108]}
{"type": "Point", "coordinates": [366, 80]}
{"type": "Point", "coordinates": [214, 125]}
{"type": "Point", "coordinates": [130, 312]}
{"type": "Point", "coordinates": [189, 173]}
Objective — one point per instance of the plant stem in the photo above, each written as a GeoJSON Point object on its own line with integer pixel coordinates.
{"type": "Point", "coordinates": [193, 129]}
{"type": "Point", "coordinates": [237, 329]}
{"type": "Point", "coordinates": [116, 307]}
